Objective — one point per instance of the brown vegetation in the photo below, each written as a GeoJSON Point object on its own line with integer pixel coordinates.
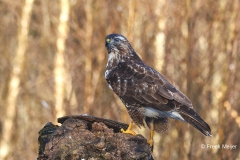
{"type": "Point", "coordinates": [53, 60]}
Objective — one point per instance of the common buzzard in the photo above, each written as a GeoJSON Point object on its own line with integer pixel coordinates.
{"type": "Point", "coordinates": [147, 95]}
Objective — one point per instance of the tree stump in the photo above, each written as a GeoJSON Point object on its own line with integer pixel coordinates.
{"type": "Point", "coordinates": [88, 137]}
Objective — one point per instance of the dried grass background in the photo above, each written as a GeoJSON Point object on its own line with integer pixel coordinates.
{"type": "Point", "coordinates": [53, 60]}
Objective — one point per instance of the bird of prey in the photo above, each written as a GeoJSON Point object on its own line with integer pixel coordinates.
{"type": "Point", "coordinates": [149, 97]}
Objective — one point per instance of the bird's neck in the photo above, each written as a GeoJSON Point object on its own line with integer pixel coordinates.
{"type": "Point", "coordinates": [114, 59]}
{"type": "Point", "coordinates": [126, 56]}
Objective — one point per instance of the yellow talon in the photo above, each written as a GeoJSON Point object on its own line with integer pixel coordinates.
{"type": "Point", "coordinates": [129, 129]}
{"type": "Point", "coordinates": [150, 141]}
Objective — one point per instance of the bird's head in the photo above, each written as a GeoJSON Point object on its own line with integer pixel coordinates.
{"type": "Point", "coordinates": [117, 43]}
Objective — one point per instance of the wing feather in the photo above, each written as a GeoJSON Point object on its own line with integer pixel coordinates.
{"type": "Point", "coordinates": [140, 84]}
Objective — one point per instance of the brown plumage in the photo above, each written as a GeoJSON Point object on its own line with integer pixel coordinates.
{"type": "Point", "coordinates": [147, 95]}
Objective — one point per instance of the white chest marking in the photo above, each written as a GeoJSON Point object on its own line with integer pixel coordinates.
{"type": "Point", "coordinates": [106, 74]}
{"type": "Point", "coordinates": [110, 59]}
{"type": "Point", "coordinates": [111, 56]}
{"type": "Point", "coordinates": [110, 87]}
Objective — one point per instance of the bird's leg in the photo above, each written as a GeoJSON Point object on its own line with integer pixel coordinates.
{"type": "Point", "coordinates": [129, 129]}
{"type": "Point", "coordinates": [150, 141]}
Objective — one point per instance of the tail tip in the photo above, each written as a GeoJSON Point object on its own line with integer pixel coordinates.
{"type": "Point", "coordinates": [209, 134]}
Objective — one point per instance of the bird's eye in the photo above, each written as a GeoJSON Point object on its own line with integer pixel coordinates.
{"type": "Point", "coordinates": [117, 40]}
